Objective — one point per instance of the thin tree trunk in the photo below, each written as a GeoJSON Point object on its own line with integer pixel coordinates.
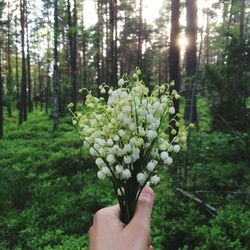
{"type": "Point", "coordinates": [191, 59]}
{"type": "Point", "coordinates": [1, 95]}
{"type": "Point", "coordinates": [9, 67]}
{"type": "Point", "coordinates": [107, 43]}
{"type": "Point", "coordinates": [174, 51]}
{"type": "Point", "coordinates": [73, 51]}
{"type": "Point", "coordinates": [17, 71]}
{"type": "Point", "coordinates": [30, 106]}
{"type": "Point", "coordinates": [97, 57]}
{"type": "Point", "coordinates": [139, 49]}
{"type": "Point", "coordinates": [55, 72]}
{"type": "Point", "coordinates": [23, 101]}
{"type": "Point", "coordinates": [174, 65]}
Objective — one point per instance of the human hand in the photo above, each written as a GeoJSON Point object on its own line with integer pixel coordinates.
{"type": "Point", "coordinates": [109, 233]}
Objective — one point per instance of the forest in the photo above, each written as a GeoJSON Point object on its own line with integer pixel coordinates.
{"type": "Point", "coordinates": [53, 51]}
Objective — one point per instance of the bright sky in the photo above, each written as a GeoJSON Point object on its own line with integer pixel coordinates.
{"type": "Point", "coordinates": [151, 10]}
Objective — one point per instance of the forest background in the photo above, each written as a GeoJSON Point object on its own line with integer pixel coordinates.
{"type": "Point", "coordinates": [49, 49]}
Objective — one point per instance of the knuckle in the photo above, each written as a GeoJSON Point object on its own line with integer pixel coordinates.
{"type": "Point", "coordinates": [100, 214]}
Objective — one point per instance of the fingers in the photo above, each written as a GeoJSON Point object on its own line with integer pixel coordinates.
{"type": "Point", "coordinates": [151, 247]}
{"type": "Point", "coordinates": [144, 206]}
{"type": "Point", "coordinates": [140, 224]}
{"type": "Point", "coordinates": [108, 216]}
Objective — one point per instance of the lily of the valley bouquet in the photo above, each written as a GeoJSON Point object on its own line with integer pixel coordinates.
{"type": "Point", "coordinates": [128, 135]}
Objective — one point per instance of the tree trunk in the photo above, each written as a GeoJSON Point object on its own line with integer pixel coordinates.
{"type": "Point", "coordinates": [174, 65]}
{"type": "Point", "coordinates": [17, 71]}
{"type": "Point", "coordinates": [191, 61]}
{"type": "Point", "coordinates": [72, 24]}
{"type": "Point", "coordinates": [30, 106]}
{"type": "Point", "coordinates": [139, 49]}
{"type": "Point", "coordinates": [107, 44]}
{"type": "Point", "coordinates": [174, 51]}
{"type": "Point", "coordinates": [9, 67]}
{"type": "Point", "coordinates": [98, 38]}
{"type": "Point", "coordinates": [23, 101]}
{"type": "Point", "coordinates": [112, 49]}
{"type": "Point", "coordinates": [55, 72]}
{"type": "Point", "coordinates": [1, 96]}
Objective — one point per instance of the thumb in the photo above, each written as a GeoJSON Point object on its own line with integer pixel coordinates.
{"type": "Point", "coordinates": [144, 208]}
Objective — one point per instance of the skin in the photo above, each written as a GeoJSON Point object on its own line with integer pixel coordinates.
{"type": "Point", "coordinates": [109, 233]}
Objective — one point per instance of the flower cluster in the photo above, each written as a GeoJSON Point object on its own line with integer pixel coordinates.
{"type": "Point", "coordinates": [129, 134]}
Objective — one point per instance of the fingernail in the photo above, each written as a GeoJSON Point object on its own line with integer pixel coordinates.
{"type": "Point", "coordinates": [148, 192]}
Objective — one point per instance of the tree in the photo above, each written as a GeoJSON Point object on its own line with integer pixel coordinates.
{"type": "Point", "coordinates": [30, 106]}
{"type": "Point", "coordinates": [191, 61]}
{"type": "Point", "coordinates": [9, 79]}
{"type": "Point", "coordinates": [113, 42]}
{"type": "Point", "coordinates": [55, 72]}
{"type": "Point", "coordinates": [174, 61]}
{"type": "Point", "coordinates": [72, 35]}
{"type": "Point", "coordinates": [2, 4]}
{"type": "Point", "coordinates": [23, 97]}
{"type": "Point", "coordinates": [1, 93]}
{"type": "Point", "coordinates": [174, 51]}
{"type": "Point", "coordinates": [140, 30]}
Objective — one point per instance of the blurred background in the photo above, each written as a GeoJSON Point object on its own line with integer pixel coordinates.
{"type": "Point", "coordinates": [49, 49]}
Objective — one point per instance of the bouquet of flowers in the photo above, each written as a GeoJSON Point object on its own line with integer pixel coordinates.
{"type": "Point", "coordinates": [128, 135]}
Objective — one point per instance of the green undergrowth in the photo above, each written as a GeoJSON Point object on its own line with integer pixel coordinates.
{"type": "Point", "coordinates": [49, 191]}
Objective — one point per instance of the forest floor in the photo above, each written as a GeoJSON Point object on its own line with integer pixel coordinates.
{"type": "Point", "coordinates": [49, 190]}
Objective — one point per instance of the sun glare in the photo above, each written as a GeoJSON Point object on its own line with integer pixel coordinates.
{"type": "Point", "coordinates": [183, 42]}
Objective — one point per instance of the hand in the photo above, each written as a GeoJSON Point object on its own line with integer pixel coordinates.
{"type": "Point", "coordinates": [109, 233]}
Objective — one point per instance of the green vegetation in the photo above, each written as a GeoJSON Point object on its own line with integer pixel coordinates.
{"type": "Point", "coordinates": [49, 191]}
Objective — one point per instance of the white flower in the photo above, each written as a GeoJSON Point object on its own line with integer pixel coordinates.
{"type": "Point", "coordinates": [176, 148]}
{"type": "Point", "coordinates": [124, 95]}
{"type": "Point", "coordinates": [168, 161]}
{"type": "Point", "coordinates": [121, 133]}
{"type": "Point", "coordinates": [150, 118]}
{"type": "Point", "coordinates": [126, 109]}
{"type": "Point", "coordinates": [110, 92]}
{"type": "Point", "coordinates": [116, 138]}
{"type": "Point", "coordinates": [171, 110]}
{"type": "Point", "coordinates": [111, 159]}
{"type": "Point", "coordinates": [121, 82]}
{"type": "Point", "coordinates": [99, 162]}
{"type": "Point", "coordinates": [127, 159]}
{"type": "Point", "coordinates": [110, 142]}
{"type": "Point", "coordinates": [127, 148]}
{"type": "Point", "coordinates": [98, 117]}
{"type": "Point", "coordinates": [132, 127]}
{"type": "Point", "coordinates": [151, 134]}
{"type": "Point", "coordinates": [126, 174]}
{"type": "Point", "coordinates": [141, 178]}
{"type": "Point", "coordinates": [93, 122]}
{"type": "Point", "coordinates": [164, 155]}
{"type": "Point", "coordinates": [154, 179]}
{"type": "Point", "coordinates": [99, 141]}
{"type": "Point", "coordinates": [121, 116]}
{"type": "Point", "coordinates": [101, 175]}
{"type": "Point", "coordinates": [118, 169]}
{"type": "Point", "coordinates": [132, 141]}
{"type": "Point", "coordinates": [156, 105]}
{"type": "Point", "coordinates": [92, 151]}
{"type": "Point", "coordinates": [163, 147]}
{"type": "Point", "coordinates": [103, 91]}
{"type": "Point", "coordinates": [106, 170]}
{"type": "Point", "coordinates": [151, 165]}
